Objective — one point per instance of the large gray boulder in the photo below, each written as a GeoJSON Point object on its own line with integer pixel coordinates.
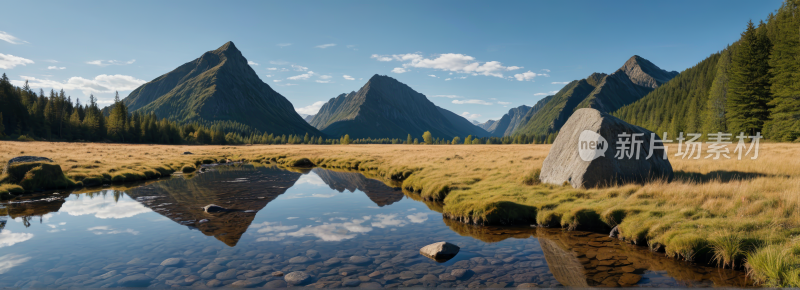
{"type": "Point", "coordinates": [585, 153]}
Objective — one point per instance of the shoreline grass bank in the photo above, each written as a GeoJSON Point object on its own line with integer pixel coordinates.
{"type": "Point", "coordinates": [742, 213]}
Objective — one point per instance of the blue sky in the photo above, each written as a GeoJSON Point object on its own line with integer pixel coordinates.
{"type": "Point", "coordinates": [477, 59]}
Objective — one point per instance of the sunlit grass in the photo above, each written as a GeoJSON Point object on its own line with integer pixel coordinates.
{"type": "Point", "coordinates": [497, 184]}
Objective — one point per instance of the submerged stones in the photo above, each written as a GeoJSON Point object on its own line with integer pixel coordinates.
{"type": "Point", "coordinates": [296, 278]}
{"type": "Point", "coordinates": [440, 252]}
{"type": "Point", "coordinates": [172, 262]}
{"type": "Point", "coordinates": [596, 149]}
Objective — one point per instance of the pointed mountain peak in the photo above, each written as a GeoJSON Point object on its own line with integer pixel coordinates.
{"type": "Point", "coordinates": [644, 73]}
{"type": "Point", "coordinates": [228, 46]}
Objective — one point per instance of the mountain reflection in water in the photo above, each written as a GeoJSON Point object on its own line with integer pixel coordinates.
{"type": "Point", "coordinates": [288, 220]}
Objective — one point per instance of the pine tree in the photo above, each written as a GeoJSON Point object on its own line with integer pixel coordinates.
{"type": "Point", "coordinates": [748, 93]}
{"type": "Point", "coordinates": [2, 127]}
{"type": "Point", "coordinates": [117, 119]}
{"type": "Point", "coordinates": [785, 62]}
{"type": "Point", "coordinates": [714, 115]}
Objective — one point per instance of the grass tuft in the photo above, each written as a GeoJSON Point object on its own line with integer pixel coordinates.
{"type": "Point", "coordinates": [773, 266]}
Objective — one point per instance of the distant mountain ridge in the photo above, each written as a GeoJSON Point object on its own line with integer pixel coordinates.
{"type": "Point", "coordinates": [387, 108]}
{"type": "Point", "coordinates": [218, 86]}
{"type": "Point", "coordinates": [606, 93]}
{"type": "Point", "coordinates": [509, 122]}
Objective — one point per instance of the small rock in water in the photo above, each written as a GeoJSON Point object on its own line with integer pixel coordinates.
{"type": "Point", "coordinates": [331, 262]}
{"type": "Point", "coordinates": [214, 283]}
{"type": "Point", "coordinates": [202, 221]}
{"type": "Point", "coordinates": [312, 253]}
{"type": "Point", "coordinates": [359, 260]}
{"type": "Point", "coordinates": [459, 273]}
{"type": "Point", "coordinates": [296, 278]}
{"type": "Point", "coordinates": [351, 282]}
{"type": "Point", "coordinates": [298, 260]}
{"type": "Point", "coordinates": [214, 208]}
{"type": "Point", "coordinates": [440, 252]}
{"type": "Point", "coordinates": [172, 262]}
{"type": "Point", "coordinates": [277, 273]}
{"type": "Point", "coordinates": [187, 153]}
{"type": "Point", "coordinates": [137, 280]}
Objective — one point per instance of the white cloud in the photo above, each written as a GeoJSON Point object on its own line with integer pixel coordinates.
{"type": "Point", "coordinates": [7, 238]}
{"type": "Point", "coordinates": [545, 70]}
{"type": "Point", "coordinates": [325, 77]}
{"type": "Point", "coordinates": [388, 220]}
{"type": "Point", "coordinates": [473, 101]}
{"type": "Point", "coordinates": [335, 231]}
{"type": "Point", "coordinates": [527, 76]}
{"type": "Point", "coordinates": [8, 61]}
{"type": "Point", "coordinates": [106, 230]}
{"type": "Point", "coordinates": [269, 76]}
{"type": "Point", "coordinates": [104, 208]}
{"type": "Point", "coordinates": [250, 62]}
{"type": "Point", "coordinates": [470, 116]}
{"type": "Point", "coordinates": [272, 68]}
{"type": "Point", "coordinates": [267, 227]}
{"type": "Point", "coordinates": [447, 79]}
{"type": "Point", "coordinates": [10, 38]}
{"type": "Point", "coordinates": [326, 45]}
{"type": "Point", "coordinates": [10, 261]}
{"type": "Point", "coordinates": [311, 110]}
{"type": "Point", "coordinates": [323, 82]}
{"type": "Point", "coordinates": [418, 218]}
{"type": "Point", "coordinates": [349, 78]}
{"type": "Point", "coordinates": [453, 62]}
{"type": "Point", "coordinates": [448, 96]}
{"type": "Point", "coordinates": [399, 70]}
{"type": "Point", "coordinates": [100, 84]}
{"type": "Point", "coordinates": [284, 44]}
{"type": "Point", "coordinates": [278, 62]}
{"type": "Point", "coordinates": [559, 83]}
{"type": "Point", "coordinates": [55, 67]}
{"type": "Point", "coordinates": [288, 84]}
{"type": "Point", "coordinates": [110, 62]}
{"type": "Point", "coordinates": [433, 76]}
{"type": "Point", "coordinates": [382, 58]}
{"type": "Point", "coordinates": [277, 81]}
{"type": "Point", "coordinates": [299, 68]}
{"type": "Point", "coordinates": [304, 76]}
{"type": "Point", "coordinates": [504, 103]}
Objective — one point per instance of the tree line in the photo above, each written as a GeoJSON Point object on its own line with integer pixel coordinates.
{"type": "Point", "coordinates": [751, 86]}
{"type": "Point", "coordinates": [27, 115]}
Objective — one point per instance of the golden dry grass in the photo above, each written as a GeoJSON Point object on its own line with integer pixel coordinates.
{"type": "Point", "coordinates": [492, 184]}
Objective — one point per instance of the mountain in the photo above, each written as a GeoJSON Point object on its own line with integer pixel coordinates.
{"type": "Point", "coordinates": [307, 118]}
{"type": "Point", "coordinates": [462, 124]}
{"type": "Point", "coordinates": [604, 92]}
{"type": "Point", "coordinates": [217, 87]}
{"type": "Point", "coordinates": [377, 191]}
{"type": "Point", "coordinates": [509, 122]}
{"type": "Point", "coordinates": [486, 125]}
{"type": "Point", "coordinates": [387, 108]}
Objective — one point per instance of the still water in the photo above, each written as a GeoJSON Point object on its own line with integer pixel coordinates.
{"type": "Point", "coordinates": [340, 228]}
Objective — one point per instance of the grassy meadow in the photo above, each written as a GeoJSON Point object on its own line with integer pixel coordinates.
{"type": "Point", "coordinates": [741, 214]}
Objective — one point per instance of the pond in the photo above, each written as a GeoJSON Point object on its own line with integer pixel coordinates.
{"type": "Point", "coordinates": [339, 228]}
